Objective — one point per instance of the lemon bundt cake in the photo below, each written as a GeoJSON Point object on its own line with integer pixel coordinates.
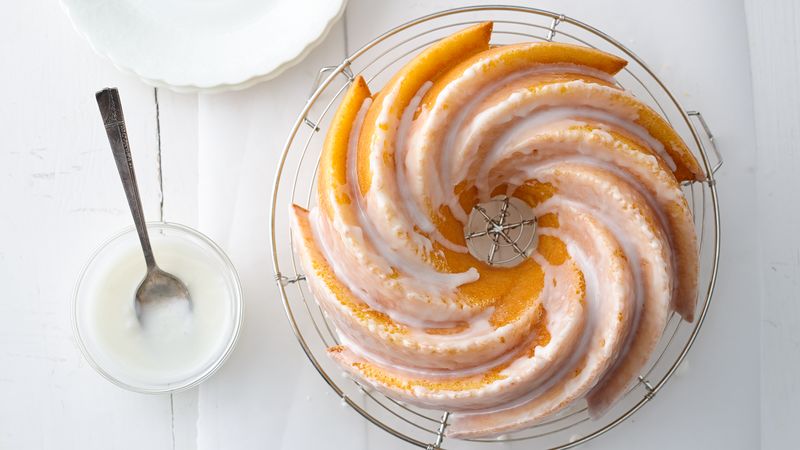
{"type": "Point", "coordinates": [502, 347]}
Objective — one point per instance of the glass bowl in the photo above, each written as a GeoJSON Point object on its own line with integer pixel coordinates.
{"type": "Point", "coordinates": [118, 266]}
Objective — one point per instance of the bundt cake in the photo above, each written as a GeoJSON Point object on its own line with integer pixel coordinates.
{"type": "Point", "coordinates": [501, 347]}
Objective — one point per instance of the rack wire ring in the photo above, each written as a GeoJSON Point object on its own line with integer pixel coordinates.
{"type": "Point", "coordinates": [424, 428]}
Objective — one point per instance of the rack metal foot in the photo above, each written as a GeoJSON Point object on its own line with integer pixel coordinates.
{"type": "Point", "coordinates": [285, 281]}
{"type": "Point", "coordinates": [437, 444]}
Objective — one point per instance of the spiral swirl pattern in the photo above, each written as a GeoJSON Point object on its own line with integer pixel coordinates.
{"type": "Point", "coordinates": [425, 322]}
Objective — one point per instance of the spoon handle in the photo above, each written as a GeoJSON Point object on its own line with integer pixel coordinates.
{"type": "Point", "coordinates": [111, 111]}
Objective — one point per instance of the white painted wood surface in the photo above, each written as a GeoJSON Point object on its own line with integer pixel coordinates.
{"type": "Point", "coordinates": [775, 57]}
{"type": "Point", "coordinates": [60, 198]}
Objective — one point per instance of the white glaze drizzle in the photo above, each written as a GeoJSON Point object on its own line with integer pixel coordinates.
{"type": "Point", "coordinates": [390, 215]}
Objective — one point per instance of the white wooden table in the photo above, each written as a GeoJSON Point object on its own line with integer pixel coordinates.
{"type": "Point", "coordinates": [60, 198]}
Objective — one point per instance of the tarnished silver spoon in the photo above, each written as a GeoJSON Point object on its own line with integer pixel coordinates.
{"type": "Point", "coordinates": [157, 285]}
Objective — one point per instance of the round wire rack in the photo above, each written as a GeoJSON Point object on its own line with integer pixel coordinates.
{"type": "Point", "coordinates": [295, 183]}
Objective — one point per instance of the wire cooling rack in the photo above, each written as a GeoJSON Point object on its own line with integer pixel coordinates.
{"type": "Point", "coordinates": [377, 61]}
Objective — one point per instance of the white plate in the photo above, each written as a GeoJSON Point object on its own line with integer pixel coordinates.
{"type": "Point", "coordinates": [191, 45]}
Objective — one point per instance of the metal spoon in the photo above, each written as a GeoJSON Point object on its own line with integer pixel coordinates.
{"type": "Point", "coordinates": [157, 285]}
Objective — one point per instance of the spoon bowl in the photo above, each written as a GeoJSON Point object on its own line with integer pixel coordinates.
{"type": "Point", "coordinates": [159, 286]}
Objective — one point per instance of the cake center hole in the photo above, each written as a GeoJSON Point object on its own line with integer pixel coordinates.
{"type": "Point", "coordinates": [500, 231]}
